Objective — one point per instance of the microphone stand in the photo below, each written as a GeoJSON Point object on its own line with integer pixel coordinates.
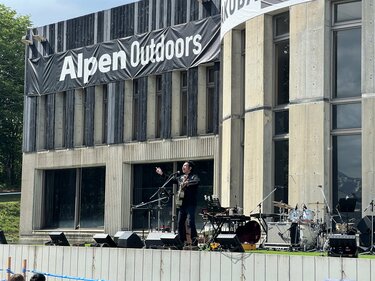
{"type": "Point", "coordinates": [259, 206]}
{"type": "Point", "coordinates": [371, 249]}
{"type": "Point", "coordinates": [162, 195]}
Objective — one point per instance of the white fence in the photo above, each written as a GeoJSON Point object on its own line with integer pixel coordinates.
{"type": "Point", "coordinates": [119, 264]}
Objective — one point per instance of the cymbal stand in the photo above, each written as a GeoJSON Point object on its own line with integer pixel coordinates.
{"type": "Point", "coordinates": [371, 249]}
{"type": "Point", "coordinates": [259, 206]}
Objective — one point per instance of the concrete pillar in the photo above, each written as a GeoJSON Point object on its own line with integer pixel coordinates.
{"type": "Point", "coordinates": [232, 122]}
{"type": "Point", "coordinates": [368, 103]}
{"type": "Point", "coordinates": [202, 100]}
{"type": "Point", "coordinates": [176, 97]}
{"type": "Point", "coordinates": [41, 123]}
{"type": "Point", "coordinates": [309, 122]}
{"type": "Point", "coordinates": [151, 103]}
{"type": "Point", "coordinates": [98, 116]}
{"type": "Point", "coordinates": [257, 166]}
{"type": "Point", "coordinates": [128, 111]}
{"type": "Point", "coordinates": [59, 120]}
{"type": "Point", "coordinates": [79, 111]}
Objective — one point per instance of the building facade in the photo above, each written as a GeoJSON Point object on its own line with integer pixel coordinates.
{"type": "Point", "coordinates": [284, 113]}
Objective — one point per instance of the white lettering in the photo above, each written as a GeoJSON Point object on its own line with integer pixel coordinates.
{"type": "Point", "coordinates": [90, 66]}
{"type": "Point", "coordinates": [68, 69]}
{"type": "Point", "coordinates": [196, 42]}
{"type": "Point", "coordinates": [134, 57]}
{"type": "Point", "coordinates": [121, 55]}
{"type": "Point", "coordinates": [104, 63]}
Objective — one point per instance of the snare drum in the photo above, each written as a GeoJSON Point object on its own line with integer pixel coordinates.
{"type": "Point", "coordinates": [294, 215]}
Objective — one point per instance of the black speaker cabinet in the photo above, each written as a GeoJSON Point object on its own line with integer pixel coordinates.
{"type": "Point", "coordinates": [230, 242]}
{"type": "Point", "coordinates": [128, 239]}
{"type": "Point", "coordinates": [153, 240]}
{"type": "Point", "coordinates": [341, 245]}
{"type": "Point", "coordinates": [171, 240]}
{"type": "Point", "coordinates": [364, 227]}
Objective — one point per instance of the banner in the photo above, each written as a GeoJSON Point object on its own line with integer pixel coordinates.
{"type": "Point", "coordinates": [177, 47]}
{"type": "Point", "coordinates": [236, 12]}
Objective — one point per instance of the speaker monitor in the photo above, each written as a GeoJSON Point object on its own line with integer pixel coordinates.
{"type": "Point", "coordinates": [153, 240]}
{"type": "Point", "coordinates": [2, 238]}
{"type": "Point", "coordinates": [128, 239]}
{"type": "Point", "coordinates": [364, 226]}
{"type": "Point", "coordinates": [171, 240]}
{"type": "Point", "coordinates": [58, 239]}
{"type": "Point", "coordinates": [104, 240]}
{"type": "Point", "coordinates": [230, 242]}
{"type": "Point", "coordinates": [341, 245]}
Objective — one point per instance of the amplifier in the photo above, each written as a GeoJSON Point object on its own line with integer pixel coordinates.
{"type": "Point", "coordinates": [279, 235]}
{"type": "Point", "coordinates": [342, 245]}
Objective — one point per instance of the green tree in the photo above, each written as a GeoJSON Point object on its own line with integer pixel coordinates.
{"type": "Point", "coordinates": [12, 57]}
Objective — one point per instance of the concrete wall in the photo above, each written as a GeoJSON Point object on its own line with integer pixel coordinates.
{"type": "Point", "coordinates": [119, 264]}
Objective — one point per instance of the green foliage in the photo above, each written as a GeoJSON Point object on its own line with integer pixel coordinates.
{"type": "Point", "coordinates": [12, 56]}
{"type": "Point", "coordinates": [10, 220]}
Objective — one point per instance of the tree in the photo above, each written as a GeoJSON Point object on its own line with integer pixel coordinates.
{"type": "Point", "coordinates": [12, 58]}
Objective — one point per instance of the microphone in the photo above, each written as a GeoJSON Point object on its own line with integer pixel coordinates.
{"type": "Point", "coordinates": [175, 173]}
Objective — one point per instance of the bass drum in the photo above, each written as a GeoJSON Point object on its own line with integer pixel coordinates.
{"type": "Point", "coordinates": [249, 232]}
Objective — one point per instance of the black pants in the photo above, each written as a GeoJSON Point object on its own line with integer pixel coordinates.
{"type": "Point", "coordinates": [187, 213]}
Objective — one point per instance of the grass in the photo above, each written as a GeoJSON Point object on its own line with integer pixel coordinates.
{"type": "Point", "coordinates": [10, 219]}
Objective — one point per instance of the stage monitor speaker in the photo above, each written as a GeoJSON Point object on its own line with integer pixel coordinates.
{"type": "Point", "coordinates": [341, 245]}
{"type": "Point", "coordinates": [58, 239]}
{"type": "Point", "coordinates": [171, 240]}
{"type": "Point", "coordinates": [128, 239]}
{"type": "Point", "coordinates": [104, 240]}
{"type": "Point", "coordinates": [229, 242]}
{"type": "Point", "coordinates": [153, 240]}
{"type": "Point", "coordinates": [2, 238]}
{"type": "Point", "coordinates": [364, 227]}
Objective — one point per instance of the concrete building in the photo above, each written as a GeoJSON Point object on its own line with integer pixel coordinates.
{"type": "Point", "coordinates": [285, 113]}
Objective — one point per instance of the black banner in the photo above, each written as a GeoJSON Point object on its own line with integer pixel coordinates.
{"type": "Point", "coordinates": [177, 47]}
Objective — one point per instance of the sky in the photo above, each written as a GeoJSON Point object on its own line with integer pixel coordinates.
{"type": "Point", "coordinates": [43, 12]}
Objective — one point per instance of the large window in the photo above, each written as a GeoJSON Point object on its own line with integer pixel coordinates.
{"type": "Point", "coordinates": [346, 102]}
{"type": "Point", "coordinates": [74, 198]}
{"type": "Point", "coordinates": [281, 106]}
{"type": "Point", "coordinates": [147, 182]}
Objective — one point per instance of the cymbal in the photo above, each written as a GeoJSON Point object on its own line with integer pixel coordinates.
{"type": "Point", "coordinates": [281, 205]}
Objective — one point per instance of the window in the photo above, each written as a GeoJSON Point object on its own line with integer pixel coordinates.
{"type": "Point", "coordinates": [146, 182]}
{"type": "Point", "coordinates": [74, 198]}
{"type": "Point", "coordinates": [281, 103]}
{"type": "Point", "coordinates": [346, 102]}
{"type": "Point", "coordinates": [158, 106]}
{"type": "Point", "coordinates": [184, 103]}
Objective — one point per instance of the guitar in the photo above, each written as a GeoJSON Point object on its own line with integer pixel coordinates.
{"type": "Point", "coordinates": [181, 191]}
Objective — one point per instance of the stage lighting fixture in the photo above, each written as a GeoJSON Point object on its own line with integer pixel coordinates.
{"type": "Point", "coordinates": [104, 240]}
{"type": "Point", "coordinates": [2, 238]}
{"type": "Point", "coordinates": [58, 239]}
